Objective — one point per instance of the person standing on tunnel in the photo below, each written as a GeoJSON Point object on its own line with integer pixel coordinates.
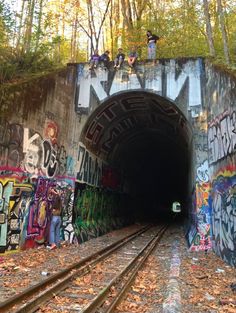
{"type": "Point", "coordinates": [151, 45]}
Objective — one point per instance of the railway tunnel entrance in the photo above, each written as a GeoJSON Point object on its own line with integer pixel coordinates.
{"type": "Point", "coordinates": [147, 140]}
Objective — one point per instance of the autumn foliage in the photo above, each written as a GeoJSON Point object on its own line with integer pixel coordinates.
{"type": "Point", "coordinates": [42, 34]}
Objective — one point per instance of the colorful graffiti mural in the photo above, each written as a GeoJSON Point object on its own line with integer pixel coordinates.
{"type": "Point", "coordinates": [222, 144]}
{"type": "Point", "coordinates": [224, 213]}
{"type": "Point", "coordinates": [25, 149]}
{"type": "Point", "coordinates": [199, 234]}
{"type": "Point", "coordinates": [97, 211]}
{"type": "Point", "coordinates": [30, 166]}
{"type": "Point", "coordinates": [25, 211]}
{"type": "Point", "coordinates": [201, 240]}
{"type": "Point", "coordinates": [14, 200]}
{"type": "Point", "coordinates": [220, 100]}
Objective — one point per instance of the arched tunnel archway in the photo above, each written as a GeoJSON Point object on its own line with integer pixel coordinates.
{"type": "Point", "coordinates": [147, 139]}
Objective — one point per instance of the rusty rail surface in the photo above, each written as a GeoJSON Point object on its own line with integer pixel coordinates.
{"type": "Point", "coordinates": [131, 271]}
{"type": "Point", "coordinates": [43, 290]}
{"type": "Point", "coordinates": [120, 282]}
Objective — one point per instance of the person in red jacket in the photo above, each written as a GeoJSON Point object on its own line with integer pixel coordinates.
{"type": "Point", "coordinates": [132, 58]}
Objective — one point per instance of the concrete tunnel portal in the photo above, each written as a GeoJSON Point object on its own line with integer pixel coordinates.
{"type": "Point", "coordinates": [149, 140]}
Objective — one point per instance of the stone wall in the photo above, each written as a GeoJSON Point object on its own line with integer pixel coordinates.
{"type": "Point", "coordinates": [40, 149]}
{"type": "Point", "coordinates": [221, 103]}
{"type": "Point", "coordinates": [38, 137]}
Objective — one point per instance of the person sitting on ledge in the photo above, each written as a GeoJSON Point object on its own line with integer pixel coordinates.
{"type": "Point", "coordinates": [94, 60]}
{"type": "Point", "coordinates": [132, 58]}
{"type": "Point", "coordinates": [105, 59]}
{"type": "Point", "coordinates": [119, 60]}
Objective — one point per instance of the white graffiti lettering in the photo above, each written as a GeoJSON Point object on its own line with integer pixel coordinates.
{"type": "Point", "coordinates": [97, 82]}
{"type": "Point", "coordinates": [175, 85]}
{"type": "Point", "coordinates": [41, 156]}
{"type": "Point", "coordinates": [87, 81]}
{"type": "Point", "coordinates": [222, 137]}
{"type": "Point", "coordinates": [89, 168]}
{"type": "Point", "coordinates": [224, 222]}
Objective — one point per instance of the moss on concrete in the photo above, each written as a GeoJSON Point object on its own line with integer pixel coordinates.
{"type": "Point", "coordinates": [28, 94]}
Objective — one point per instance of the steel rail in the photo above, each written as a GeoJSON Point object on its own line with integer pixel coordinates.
{"type": "Point", "coordinates": [131, 269]}
{"type": "Point", "coordinates": [130, 280]}
{"type": "Point", "coordinates": [61, 278]}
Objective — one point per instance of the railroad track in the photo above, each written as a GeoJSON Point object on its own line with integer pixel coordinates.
{"type": "Point", "coordinates": [95, 284]}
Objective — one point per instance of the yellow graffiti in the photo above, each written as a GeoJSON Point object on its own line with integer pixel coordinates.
{"type": "Point", "coordinates": [225, 173]}
{"type": "Point", "coordinates": [202, 192]}
{"type": "Point", "coordinates": [42, 214]}
{"type": "Point", "coordinates": [16, 184]}
{"type": "Point", "coordinates": [16, 191]}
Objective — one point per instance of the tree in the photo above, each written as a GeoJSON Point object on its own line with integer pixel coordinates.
{"type": "Point", "coordinates": [223, 31]}
{"type": "Point", "coordinates": [209, 28]}
{"type": "Point", "coordinates": [29, 26]}
{"type": "Point", "coordinates": [6, 22]}
{"type": "Point", "coordinates": [39, 26]}
{"type": "Point", "coordinates": [21, 16]}
{"type": "Point", "coordinates": [40, 33]}
{"type": "Point", "coordinates": [94, 27]}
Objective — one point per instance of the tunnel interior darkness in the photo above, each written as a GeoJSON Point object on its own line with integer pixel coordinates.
{"type": "Point", "coordinates": [149, 141]}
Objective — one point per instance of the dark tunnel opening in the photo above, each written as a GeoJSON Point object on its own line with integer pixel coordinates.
{"type": "Point", "coordinates": [157, 171]}
{"type": "Point", "coordinates": [149, 141]}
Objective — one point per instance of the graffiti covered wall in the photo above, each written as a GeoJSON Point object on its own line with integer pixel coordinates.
{"type": "Point", "coordinates": [199, 236]}
{"type": "Point", "coordinates": [178, 80]}
{"type": "Point", "coordinates": [221, 97]}
{"type": "Point", "coordinates": [25, 206]}
{"type": "Point", "coordinates": [97, 211]}
{"type": "Point", "coordinates": [36, 155]}
{"type": "Point", "coordinates": [224, 213]}
{"type": "Point", "coordinates": [89, 167]}
{"type": "Point", "coordinates": [40, 150]}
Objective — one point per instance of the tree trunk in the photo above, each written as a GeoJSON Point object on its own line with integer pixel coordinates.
{"type": "Point", "coordinates": [29, 26]}
{"type": "Point", "coordinates": [127, 13]}
{"type": "Point", "coordinates": [90, 25]}
{"type": "Point", "coordinates": [111, 29]}
{"type": "Point", "coordinates": [223, 31]}
{"type": "Point", "coordinates": [39, 30]}
{"type": "Point", "coordinates": [74, 38]}
{"type": "Point", "coordinates": [209, 28]}
{"type": "Point", "coordinates": [98, 34]}
{"type": "Point", "coordinates": [18, 43]}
